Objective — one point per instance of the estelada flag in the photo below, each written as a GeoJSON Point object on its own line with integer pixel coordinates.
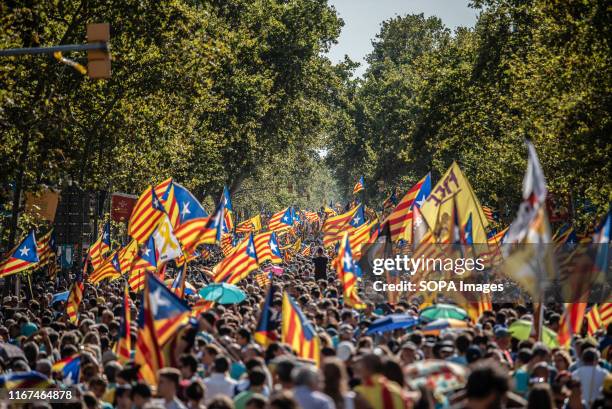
{"type": "Point", "coordinates": [22, 257]}
{"type": "Point", "coordinates": [336, 225]}
{"type": "Point", "coordinates": [298, 332]}
{"type": "Point", "coordinates": [345, 268]}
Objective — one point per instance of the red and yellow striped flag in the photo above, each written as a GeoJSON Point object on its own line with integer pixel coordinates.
{"type": "Point", "coordinates": [399, 219]}
{"type": "Point", "coordinates": [298, 333]}
{"type": "Point", "coordinates": [336, 225]}
{"type": "Point", "coordinates": [345, 268]}
{"type": "Point", "coordinates": [571, 322]}
{"type": "Point", "coordinates": [238, 265]}
{"type": "Point", "coordinates": [593, 319]}
{"type": "Point", "coordinates": [148, 212]}
{"type": "Point", "coordinates": [74, 300]}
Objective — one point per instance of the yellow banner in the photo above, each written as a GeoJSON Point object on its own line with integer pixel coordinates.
{"type": "Point", "coordinates": [438, 208]}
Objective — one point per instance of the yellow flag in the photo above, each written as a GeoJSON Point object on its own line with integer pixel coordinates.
{"type": "Point", "coordinates": [438, 208]}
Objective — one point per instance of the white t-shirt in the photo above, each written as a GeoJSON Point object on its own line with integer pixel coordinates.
{"type": "Point", "coordinates": [592, 378]}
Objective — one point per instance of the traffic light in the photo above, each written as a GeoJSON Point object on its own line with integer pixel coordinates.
{"type": "Point", "coordinates": [98, 61]}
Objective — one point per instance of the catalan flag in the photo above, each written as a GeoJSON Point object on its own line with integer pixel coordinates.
{"type": "Point", "coordinates": [336, 225]}
{"type": "Point", "coordinates": [265, 332]}
{"type": "Point", "coordinates": [275, 254]}
{"type": "Point", "coordinates": [298, 332]}
{"type": "Point", "coordinates": [24, 380]}
{"type": "Point", "coordinates": [178, 284]}
{"type": "Point", "coordinates": [605, 312]}
{"type": "Point", "coordinates": [181, 205]}
{"type": "Point", "coordinates": [46, 249]}
{"type": "Point", "coordinates": [252, 225]}
{"type": "Point", "coordinates": [109, 269]}
{"type": "Point", "coordinates": [166, 193]}
{"type": "Point", "coordinates": [399, 219]}
{"type": "Point", "coordinates": [74, 300]}
{"type": "Point", "coordinates": [262, 246]}
{"type": "Point", "coordinates": [359, 186]}
{"type": "Point", "coordinates": [227, 244]}
{"type": "Point", "coordinates": [281, 220]}
{"type": "Point", "coordinates": [237, 266]}
{"type": "Point", "coordinates": [100, 247]}
{"type": "Point", "coordinates": [69, 368]}
{"type": "Point", "coordinates": [489, 214]}
{"type": "Point", "coordinates": [312, 217]}
{"type": "Point", "coordinates": [593, 319]}
{"type": "Point", "coordinates": [359, 237]}
{"type": "Point", "coordinates": [145, 260]}
{"type": "Point", "coordinates": [263, 279]}
{"type": "Point", "coordinates": [359, 218]}
{"type": "Point", "coordinates": [161, 315]}
{"type": "Point", "coordinates": [571, 322]}
{"type": "Point", "coordinates": [124, 343]}
{"type": "Point", "coordinates": [390, 201]}
{"type": "Point", "coordinates": [476, 308]}
{"type": "Point", "coordinates": [228, 212]}
{"type": "Point", "coordinates": [306, 251]}
{"type": "Point", "coordinates": [147, 213]}
{"type": "Point", "coordinates": [22, 257]}
{"type": "Point", "coordinates": [347, 274]}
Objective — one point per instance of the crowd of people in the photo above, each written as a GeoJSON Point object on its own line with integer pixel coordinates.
{"type": "Point", "coordinates": [218, 365]}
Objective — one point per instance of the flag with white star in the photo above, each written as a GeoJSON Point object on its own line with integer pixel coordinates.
{"type": "Point", "coordinates": [347, 273]}
{"type": "Point", "coordinates": [239, 264]}
{"type": "Point", "coordinates": [22, 257]}
{"type": "Point", "coordinates": [146, 215]}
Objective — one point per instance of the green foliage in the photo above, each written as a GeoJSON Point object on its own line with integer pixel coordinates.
{"type": "Point", "coordinates": [208, 92]}
{"type": "Point", "coordinates": [537, 69]}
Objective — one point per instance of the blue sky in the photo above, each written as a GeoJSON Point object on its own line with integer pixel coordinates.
{"type": "Point", "coordinates": [362, 20]}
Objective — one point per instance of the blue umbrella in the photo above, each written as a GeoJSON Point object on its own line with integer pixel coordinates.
{"type": "Point", "coordinates": [60, 297]}
{"type": "Point", "coordinates": [391, 322]}
{"type": "Point", "coordinates": [222, 293]}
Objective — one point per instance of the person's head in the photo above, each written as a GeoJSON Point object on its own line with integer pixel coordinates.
{"type": "Point", "coordinates": [195, 392]}
{"type": "Point", "coordinates": [123, 397]}
{"type": "Point", "coordinates": [244, 337]}
{"type": "Point", "coordinates": [540, 397]}
{"type": "Point", "coordinates": [97, 385]}
{"type": "Point", "coordinates": [220, 402]}
{"type": "Point", "coordinates": [283, 372]}
{"type": "Point", "coordinates": [590, 356]}
{"type": "Point", "coordinates": [486, 387]}
{"type": "Point", "coordinates": [392, 370]}
{"type": "Point", "coordinates": [209, 354]}
{"type": "Point", "coordinates": [502, 338]}
{"type": "Point", "coordinates": [368, 365]}
{"type": "Point", "coordinates": [188, 364]}
{"type": "Point", "coordinates": [256, 401]}
{"type": "Point", "coordinates": [169, 379]}
{"type": "Point", "coordinates": [335, 378]}
{"type": "Point", "coordinates": [141, 394]}
{"type": "Point", "coordinates": [562, 360]}
{"type": "Point", "coordinates": [407, 353]}
{"type": "Point", "coordinates": [540, 353]}
{"type": "Point", "coordinates": [281, 400]}
{"type": "Point", "coordinates": [221, 364]}
{"type": "Point", "coordinates": [44, 367]}
{"type": "Point", "coordinates": [257, 379]}
{"type": "Point", "coordinates": [308, 376]}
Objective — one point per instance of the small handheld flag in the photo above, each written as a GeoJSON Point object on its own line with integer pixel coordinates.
{"type": "Point", "coordinates": [359, 186]}
{"type": "Point", "coordinates": [22, 257]}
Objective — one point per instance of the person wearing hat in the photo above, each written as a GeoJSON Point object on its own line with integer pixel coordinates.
{"type": "Point", "coordinates": [408, 353]}
{"type": "Point", "coordinates": [502, 339]}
